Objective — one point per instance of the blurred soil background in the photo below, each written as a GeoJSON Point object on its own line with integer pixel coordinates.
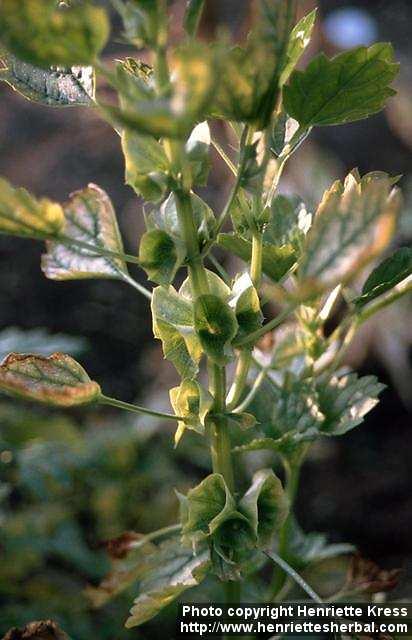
{"type": "Point", "coordinates": [357, 489]}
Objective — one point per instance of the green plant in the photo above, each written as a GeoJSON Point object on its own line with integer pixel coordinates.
{"type": "Point", "coordinates": [283, 398]}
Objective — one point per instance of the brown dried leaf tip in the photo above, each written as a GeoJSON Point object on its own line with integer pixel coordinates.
{"type": "Point", "coordinates": [367, 577]}
{"type": "Point", "coordinates": [42, 630]}
{"type": "Point", "coordinates": [118, 548]}
{"type": "Point", "coordinates": [58, 379]}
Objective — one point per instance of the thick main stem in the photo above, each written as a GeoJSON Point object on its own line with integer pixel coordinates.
{"type": "Point", "coordinates": [220, 444]}
{"type": "Point", "coordinates": [219, 434]}
{"type": "Point", "coordinates": [197, 273]}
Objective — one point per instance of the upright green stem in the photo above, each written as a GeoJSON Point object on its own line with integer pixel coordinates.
{"type": "Point", "coordinates": [219, 433]}
{"type": "Point", "coordinates": [297, 139]}
{"type": "Point", "coordinates": [245, 356]}
{"type": "Point", "coordinates": [196, 269]}
{"type": "Point", "coordinates": [256, 260]}
{"type": "Point", "coordinates": [237, 388]}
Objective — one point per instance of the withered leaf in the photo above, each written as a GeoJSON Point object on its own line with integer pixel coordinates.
{"type": "Point", "coordinates": [367, 577]}
{"type": "Point", "coordinates": [132, 556]}
{"type": "Point", "coordinates": [41, 630]}
{"type": "Point", "coordinates": [57, 380]}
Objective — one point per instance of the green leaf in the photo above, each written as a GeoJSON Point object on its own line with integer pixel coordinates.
{"type": "Point", "coordinates": [216, 326]}
{"type": "Point", "coordinates": [276, 260]}
{"type": "Point", "coordinates": [54, 87]}
{"type": "Point", "coordinates": [132, 556]}
{"type": "Point", "coordinates": [386, 276]}
{"type": "Point", "coordinates": [351, 86]}
{"type": "Point", "coordinates": [22, 215]}
{"type": "Point", "coordinates": [208, 506]}
{"type": "Point", "coordinates": [147, 166]}
{"type": "Point", "coordinates": [193, 16]}
{"type": "Point", "coordinates": [252, 170]}
{"type": "Point", "coordinates": [216, 286]}
{"type": "Point", "coordinates": [249, 79]}
{"type": "Point", "coordinates": [39, 33]}
{"type": "Point", "coordinates": [191, 401]}
{"type": "Point", "coordinates": [265, 505]}
{"type": "Point", "coordinates": [345, 400]}
{"type": "Point", "coordinates": [197, 150]}
{"type": "Point", "coordinates": [57, 380]}
{"type": "Point", "coordinates": [295, 409]}
{"type": "Point", "coordinates": [160, 256]}
{"type": "Point", "coordinates": [298, 41]}
{"type": "Point", "coordinates": [90, 218]}
{"type": "Point", "coordinates": [177, 569]}
{"type": "Point", "coordinates": [288, 223]}
{"type": "Point", "coordinates": [246, 305]}
{"type": "Point", "coordinates": [353, 224]}
{"type": "Point", "coordinates": [232, 546]}
{"type": "Point", "coordinates": [300, 411]}
{"type": "Point", "coordinates": [173, 324]}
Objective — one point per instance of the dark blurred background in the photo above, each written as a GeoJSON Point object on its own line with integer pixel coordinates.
{"type": "Point", "coordinates": [75, 479]}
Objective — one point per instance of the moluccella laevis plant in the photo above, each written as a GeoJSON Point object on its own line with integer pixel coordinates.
{"type": "Point", "coordinates": [235, 396]}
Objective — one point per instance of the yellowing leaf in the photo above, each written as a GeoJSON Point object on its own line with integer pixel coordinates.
{"type": "Point", "coordinates": [249, 77]}
{"type": "Point", "coordinates": [22, 215]}
{"type": "Point", "coordinates": [57, 380]}
{"type": "Point", "coordinates": [353, 224]}
{"type": "Point", "coordinates": [147, 165]}
{"type": "Point", "coordinates": [193, 80]}
{"type": "Point", "coordinates": [38, 32]}
{"type": "Point", "coordinates": [351, 86]}
{"type": "Point", "coordinates": [90, 219]}
{"type": "Point", "coordinates": [54, 87]}
{"type": "Point", "coordinates": [193, 402]}
{"type": "Point", "coordinates": [173, 325]}
{"type": "Point", "coordinates": [209, 504]}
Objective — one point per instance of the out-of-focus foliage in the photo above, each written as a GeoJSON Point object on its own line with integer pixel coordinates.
{"type": "Point", "coordinates": [65, 487]}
